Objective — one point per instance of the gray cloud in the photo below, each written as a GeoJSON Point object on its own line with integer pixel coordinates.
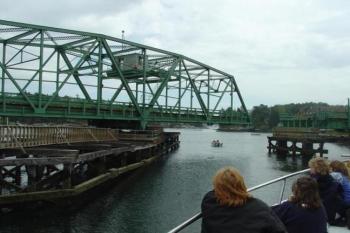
{"type": "Point", "coordinates": [57, 13]}
{"type": "Point", "coordinates": [280, 50]}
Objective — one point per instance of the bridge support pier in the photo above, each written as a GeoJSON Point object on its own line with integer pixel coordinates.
{"type": "Point", "coordinates": [123, 159]}
{"type": "Point", "coordinates": [67, 171]}
{"type": "Point", "coordinates": [281, 146]}
{"type": "Point", "coordinates": [307, 148]}
{"type": "Point", "coordinates": [31, 173]}
{"type": "Point", "coordinates": [1, 175]}
{"type": "Point", "coordinates": [294, 147]}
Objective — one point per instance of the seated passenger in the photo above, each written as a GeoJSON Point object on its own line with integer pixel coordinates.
{"type": "Point", "coordinates": [329, 189]}
{"type": "Point", "coordinates": [341, 175]}
{"type": "Point", "coordinates": [303, 212]}
{"type": "Point", "coordinates": [230, 208]}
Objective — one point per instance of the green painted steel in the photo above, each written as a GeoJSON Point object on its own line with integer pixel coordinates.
{"type": "Point", "coordinates": [320, 120]}
{"type": "Point", "coordinates": [54, 72]}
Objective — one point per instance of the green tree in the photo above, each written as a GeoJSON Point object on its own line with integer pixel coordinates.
{"type": "Point", "coordinates": [274, 117]}
{"type": "Point", "coordinates": [260, 117]}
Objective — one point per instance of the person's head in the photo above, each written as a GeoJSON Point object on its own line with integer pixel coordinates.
{"type": "Point", "coordinates": [338, 166]}
{"type": "Point", "coordinates": [229, 187]}
{"type": "Point", "coordinates": [305, 193]}
{"type": "Point", "coordinates": [318, 166]}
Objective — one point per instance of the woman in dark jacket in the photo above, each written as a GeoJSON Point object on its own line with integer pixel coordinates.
{"type": "Point", "coordinates": [303, 212]}
{"type": "Point", "coordinates": [329, 189]}
{"type": "Point", "coordinates": [230, 208]}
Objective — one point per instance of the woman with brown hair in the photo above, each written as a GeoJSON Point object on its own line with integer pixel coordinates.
{"type": "Point", "coordinates": [329, 189]}
{"type": "Point", "coordinates": [303, 212]}
{"type": "Point", "coordinates": [230, 208]}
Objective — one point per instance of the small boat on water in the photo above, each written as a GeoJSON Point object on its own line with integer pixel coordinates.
{"type": "Point", "coordinates": [216, 143]}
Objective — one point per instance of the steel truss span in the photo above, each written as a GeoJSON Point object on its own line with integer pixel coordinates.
{"type": "Point", "coordinates": [53, 72]}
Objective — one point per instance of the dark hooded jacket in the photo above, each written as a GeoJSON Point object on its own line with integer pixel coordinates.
{"type": "Point", "coordinates": [298, 219]}
{"type": "Point", "coordinates": [330, 193]}
{"type": "Point", "coordinates": [252, 217]}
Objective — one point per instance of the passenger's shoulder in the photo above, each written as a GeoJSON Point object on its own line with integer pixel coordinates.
{"type": "Point", "coordinates": [209, 195]}
{"type": "Point", "coordinates": [284, 206]}
{"type": "Point", "coordinates": [209, 201]}
{"type": "Point", "coordinates": [257, 202]}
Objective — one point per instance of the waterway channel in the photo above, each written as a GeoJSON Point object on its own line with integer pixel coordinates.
{"type": "Point", "coordinates": [162, 195]}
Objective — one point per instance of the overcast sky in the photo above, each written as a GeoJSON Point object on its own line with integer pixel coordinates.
{"type": "Point", "coordinates": [280, 51]}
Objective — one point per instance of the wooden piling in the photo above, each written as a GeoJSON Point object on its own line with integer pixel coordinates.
{"type": "Point", "coordinates": [63, 170]}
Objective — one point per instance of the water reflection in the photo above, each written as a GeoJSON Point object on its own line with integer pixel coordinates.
{"type": "Point", "coordinates": [289, 163]}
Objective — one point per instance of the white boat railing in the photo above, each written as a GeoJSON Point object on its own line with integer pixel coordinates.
{"type": "Point", "coordinates": [198, 216]}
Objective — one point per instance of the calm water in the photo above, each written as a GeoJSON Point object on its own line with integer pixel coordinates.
{"type": "Point", "coordinates": [164, 194]}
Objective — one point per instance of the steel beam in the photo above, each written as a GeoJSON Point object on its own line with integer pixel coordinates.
{"type": "Point", "coordinates": [19, 51]}
{"type": "Point", "coordinates": [14, 38]}
{"type": "Point", "coordinates": [163, 84]}
{"type": "Point", "coordinates": [80, 62]}
{"type": "Point", "coordinates": [3, 76]}
{"type": "Point", "coordinates": [99, 77]}
{"type": "Point", "coordinates": [239, 96]}
{"type": "Point", "coordinates": [3, 67]}
{"type": "Point", "coordinates": [76, 77]}
{"type": "Point", "coordinates": [196, 91]}
{"type": "Point", "coordinates": [124, 82]}
{"type": "Point", "coordinates": [41, 67]}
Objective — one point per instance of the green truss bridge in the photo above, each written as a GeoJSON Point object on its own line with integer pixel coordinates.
{"type": "Point", "coordinates": [59, 73]}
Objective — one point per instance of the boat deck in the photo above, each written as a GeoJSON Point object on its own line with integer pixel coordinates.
{"type": "Point", "coordinates": [334, 229]}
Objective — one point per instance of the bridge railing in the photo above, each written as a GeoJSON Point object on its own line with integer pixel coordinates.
{"type": "Point", "coordinates": [12, 136]}
{"type": "Point", "coordinates": [15, 105]}
{"type": "Point", "coordinates": [140, 135]}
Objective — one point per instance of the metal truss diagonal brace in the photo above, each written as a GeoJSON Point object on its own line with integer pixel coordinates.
{"type": "Point", "coordinates": [76, 77]}
{"type": "Point", "coordinates": [80, 62]}
{"type": "Point", "coordinates": [222, 94]}
{"type": "Point", "coordinates": [22, 49]}
{"type": "Point", "coordinates": [149, 87]}
{"type": "Point", "coordinates": [21, 35]}
{"type": "Point", "coordinates": [163, 84]}
{"type": "Point", "coordinates": [16, 85]}
{"type": "Point", "coordinates": [120, 88]}
{"type": "Point", "coordinates": [187, 86]}
{"type": "Point", "coordinates": [196, 91]}
{"type": "Point", "coordinates": [123, 80]}
{"type": "Point", "coordinates": [37, 72]}
{"type": "Point", "coordinates": [239, 96]}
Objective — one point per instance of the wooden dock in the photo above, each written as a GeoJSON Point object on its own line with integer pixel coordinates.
{"type": "Point", "coordinates": [295, 141]}
{"type": "Point", "coordinates": [46, 164]}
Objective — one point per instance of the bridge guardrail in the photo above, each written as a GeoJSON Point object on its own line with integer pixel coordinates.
{"type": "Point", "coordinates": [80, 108]}
{"type": "Point", "coordinates": [140, 135]}
{"type": "Point", "coordinates": [12, 136]}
